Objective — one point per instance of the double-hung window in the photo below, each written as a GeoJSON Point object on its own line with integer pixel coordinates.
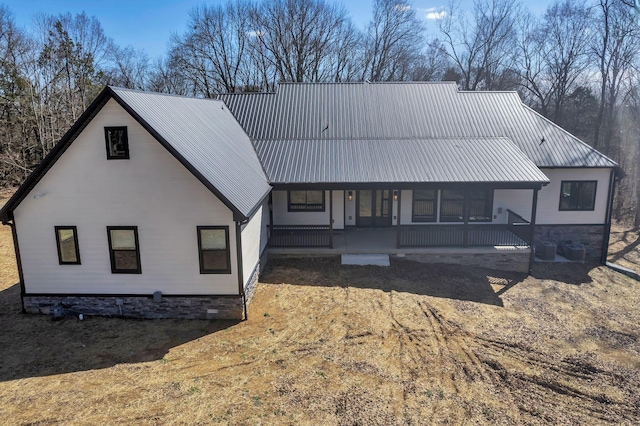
{"type": "Point", "coordinates": [213, 247]}
{"type": "Point", "coordinates": [124, 249]}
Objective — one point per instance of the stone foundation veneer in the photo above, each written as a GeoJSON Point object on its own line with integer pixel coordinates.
{"type": "Point", "coordinates": [516, 260]}
{"type": "Point", "coordinates": [590, 236]}
{"type": "Point", "coordinates": [177, 307]}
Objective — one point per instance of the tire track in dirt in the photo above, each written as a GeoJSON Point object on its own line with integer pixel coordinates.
{"type": "Point", "coordinates": [535, 382]}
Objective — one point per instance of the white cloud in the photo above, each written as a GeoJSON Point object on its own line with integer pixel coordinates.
{"type": "Point", "coordinates": [436, 15]}
{"type": "Point", "coordinates": [402, 7]}
{"type": "Point", "coordinates": [255, 33]}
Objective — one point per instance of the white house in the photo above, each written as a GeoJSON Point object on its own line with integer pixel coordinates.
{"type": "Point", "coordinates": [151, 205]}
{"type": "Point", "coordinates": [164, 206]}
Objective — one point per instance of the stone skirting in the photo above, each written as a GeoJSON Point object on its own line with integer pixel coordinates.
{"type": "Point", "coordinates": [178, 307]}
{"type": "Point", "coordinates": [590, 236]}
{"type": "Point", "coordinates": [516, 260]}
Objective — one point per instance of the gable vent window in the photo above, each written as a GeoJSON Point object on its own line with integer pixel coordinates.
{"type": "Point", "coordinates": [67, 241]}
{"type": "Point", "coordinates": [117, 143]}
{"type": "Point", "coordinates": [124, 249]}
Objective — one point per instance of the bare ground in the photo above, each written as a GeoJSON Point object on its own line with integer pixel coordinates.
{"type": "Point", "coordinates": [325, 344]}
{"type": "Point", "coordinates": [624, 247]}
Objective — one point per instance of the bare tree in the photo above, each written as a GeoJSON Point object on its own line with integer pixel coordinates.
{"type": "Point", "coordinates": [566, 26]}
{"type": "Point", "coordinates": [127, 67]}
{"type": "Point", "coordinates": [615, 47]}
{"type": "Point", "coordinates": [394, 40]}
{"type": "Point", "coordinates": [304, 40]}
{"type": "Point", "coordinates": [18, 145]}
{"type": "Point", "coordinates": [483, 47]}
{"type": "Point", "coordinates": [214, 51]}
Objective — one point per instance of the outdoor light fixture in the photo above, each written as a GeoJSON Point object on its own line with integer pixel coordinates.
{"type": "Point", "coordinates": [350, 196]}
{"type": "Point", "coordinates": [395, 195]}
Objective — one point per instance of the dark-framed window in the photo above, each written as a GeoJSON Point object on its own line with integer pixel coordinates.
{"type": "Point", "coordinates": [452, 205]}
{"type": "Point", "coordinates": [480, 205]}
{"type": "Point", "coordinates": [425, 205]}
{"type": "Point", "coordinates": [213, 248]}
{"type": "Point", "coordinates": [117, 143]}
{"type": "Point", "coordinates": [578, 195]}
{"type": "Point", "coordinates": [124, 249]}
{"type": "Point", "coordinates": [67, 242]}
{"type": "Point", "coordinates": [305, 200]}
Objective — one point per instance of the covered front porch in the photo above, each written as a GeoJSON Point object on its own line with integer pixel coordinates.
{"type": "Point", "coordinates": [431, 238]}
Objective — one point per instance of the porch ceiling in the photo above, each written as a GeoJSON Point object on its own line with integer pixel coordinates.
{"type": "Point", "coordinates": [456, 160]}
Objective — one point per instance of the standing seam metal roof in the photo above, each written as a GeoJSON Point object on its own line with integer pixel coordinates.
{"type": "Point", "coordinates": [363, 111]}
{"type": "Point", "coordinates": [410, 160]}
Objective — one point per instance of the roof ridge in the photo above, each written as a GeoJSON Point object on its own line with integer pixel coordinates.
{"type": "Point", "coordinates": [170, 95]}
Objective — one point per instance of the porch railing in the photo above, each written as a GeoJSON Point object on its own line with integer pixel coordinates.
{"type": "Point", "coordinates": [519, 226]}
{"type": "Point", "coordinates": [454, 236]}
{"type": "Point", "coordinates": [300, 236]}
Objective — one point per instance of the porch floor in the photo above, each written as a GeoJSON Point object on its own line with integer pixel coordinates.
{"type": "Point", "coordinates": [381, 241]}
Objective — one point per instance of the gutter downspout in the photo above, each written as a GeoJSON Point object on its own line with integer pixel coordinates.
{"type": "Point", "coordinates": [16, 248]}
{"type": "Point", "coordinates": [532, 231]}
{"type": "Point", "coordinates": [240, 268]}
{"type": "Point", "coordinates": [609, 217]}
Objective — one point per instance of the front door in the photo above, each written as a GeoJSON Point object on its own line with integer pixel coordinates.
{"type": "Point", "coordinates": [373, 208]}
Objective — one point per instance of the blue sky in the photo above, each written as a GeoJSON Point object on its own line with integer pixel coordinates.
{"type": "Point", "coordinates": [148, 24]}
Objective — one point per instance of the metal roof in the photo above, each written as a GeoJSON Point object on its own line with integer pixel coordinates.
{"type": "Point", "coordinates": [478, 160]}
{"type": "Point", "coordinates": [392, 111]}
{"type": "Point", "coordinates": [206, 136]}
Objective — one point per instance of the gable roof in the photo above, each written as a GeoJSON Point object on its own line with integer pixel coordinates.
{"type": "Point", "coordinates": [361, 111]}
{"type": "Point", "coordinates": [478, 160]}
{"type": "Point", "coordinates": [200, 133]}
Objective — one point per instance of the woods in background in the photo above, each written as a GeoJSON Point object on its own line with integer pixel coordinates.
{"type": "Point", "coordinates": [577, 65]}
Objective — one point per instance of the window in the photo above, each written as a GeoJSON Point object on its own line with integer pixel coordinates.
{"type": "Point", "coordinates": [124, 249]}
{"type": "Point", "coordinates": [306, 201]}
{"type": "Point", "coordinates": [451, 205]}
{"type": "Point", "coordinates": [578, 195]}
{"type": "Point", "coordinates": [117, 143]}
{"type": "Point", "coordinates": [67, 242]}
{"type": "Point", "coordinates": [425, 203]}
{"type": "Point", "coordinates": [213, 245]}
{"type": "Point", "coordinates": [480, 205]}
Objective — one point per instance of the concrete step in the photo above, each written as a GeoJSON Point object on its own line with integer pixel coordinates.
{"type": "Point", "coordinates": [365, 259]}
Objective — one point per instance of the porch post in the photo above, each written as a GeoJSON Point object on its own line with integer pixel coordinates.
{"type": "Point", "coordinates": [465, 216]}
{"type": "Point", "coordinates": [331, 218]}
{"type": "Point", "coordinates": [532, 227]}
{"type": "Point", "coordinates": [398, 231]}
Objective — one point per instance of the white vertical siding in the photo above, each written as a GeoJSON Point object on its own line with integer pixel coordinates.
{"type": "Point", "coordinates": [251, 241]}
{"type": "Point", "coordinates": [281, 215]}
{"type": "Point", "coordinates": [549, 197]}
{"type": "Point", "coordinates": [151, 190]}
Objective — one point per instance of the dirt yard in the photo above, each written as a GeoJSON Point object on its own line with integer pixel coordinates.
{"type": "Point", "coordinates": [325, 344]}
